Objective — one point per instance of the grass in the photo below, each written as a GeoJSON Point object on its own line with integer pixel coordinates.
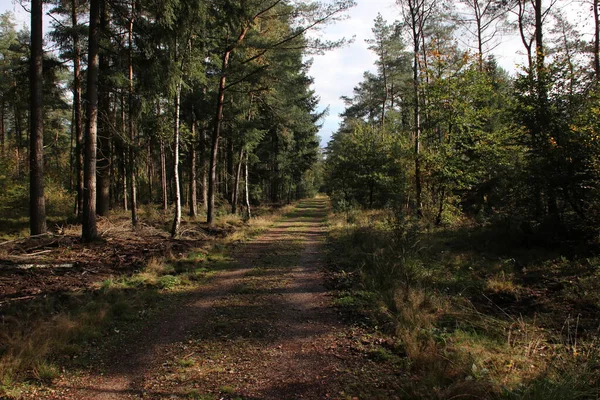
{"type": "Point", "coordinates": [472, 313]}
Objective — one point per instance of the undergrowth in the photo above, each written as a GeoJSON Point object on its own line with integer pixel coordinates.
{"type": "Point", "coordinates": [472, 314]}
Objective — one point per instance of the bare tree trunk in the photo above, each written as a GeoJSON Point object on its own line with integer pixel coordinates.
{"type": "Point", "coordinates": [596, 40]}
{"type": "Point", "coordinates": [132, 144]}
{"type": "Point", "coordinates": [89, 230]}
{"type": "Point", "coordinates": [163, 175]}
{"type": "Point", "coordinates": [236, 184]}
{"type": "Point", "coordinates": [2, 129]}
{"type": "Point", "coordinates": [177, 219]}
{"type": "Point", "coordinates": [124, 155]}
{"type": "Point", "coordinates": [212, 176]}
{"type": "Point", "coordinates": [204, 170]}
{"type": "Point", "coordinates": [103, 153]}
{"type": "Point", "coordinates": [78, 114]}
{"type": "Point", "coordinates": [417, 132]}
{"type": "Point", "coordinates": [150, 171]}
{"type": "Point", "coordinates": [246, 187]}
{"type": "Point", "coordinates": [37, 204]}
{"type": "Point", "coordinates": [193, 177]}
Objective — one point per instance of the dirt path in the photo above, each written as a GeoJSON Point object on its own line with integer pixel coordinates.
{"type": "Point", "coordinates": [263, 329]}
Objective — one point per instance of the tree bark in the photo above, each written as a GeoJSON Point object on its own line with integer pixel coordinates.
{"type": "Point", "coordinates": [193, 177]}
{"type": "Point", "coordinates": [131, 128]}
{"type": "Point", "coordinates": [212, 175]}
{"type": "Point", "coordinates": [177, 218]}
{"type": "Point", "coordinates": [77, 111]}
{"type": "Point", "coordinates": [596, 39]}
{"type": "Point", "coordinates": [124, 154]}
{"type": "Point", "coordinates": [103, 153]}
{"type": "Point", "coordinates": [163, 176]}
{"type": "Point", "coordinates": [246, 184]}
{"type": "Point", "coordinates": [37, 205]}
{"type": "Point", "coordinates": [89, 230]}
{"type": "Point", "coordinates": [236, 184]}
{"type": "Point", "coordinates": [2, 129]}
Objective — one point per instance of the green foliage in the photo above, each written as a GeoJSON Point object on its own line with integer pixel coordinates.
{"type": "Point", "coordinates": [363, 166]}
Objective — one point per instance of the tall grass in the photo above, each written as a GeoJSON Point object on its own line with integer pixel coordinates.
{"type": "Point", "coordinates": [432, 305]}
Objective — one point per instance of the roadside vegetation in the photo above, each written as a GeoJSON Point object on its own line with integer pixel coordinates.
{"type": "Point", "coordinates": [472, 311]}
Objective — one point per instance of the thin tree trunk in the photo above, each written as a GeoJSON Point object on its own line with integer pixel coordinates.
{"type": "Point", "coordinates": [163, 176]}
{"type": "Point", "coordinates": [37, 204]}
{"type": "Point", "coordinates": [89, 230]}
{"type": "Point", "coordinates": [417, 131]}
{"type": "Point", "coordinates": [246, 187]}
{"type": "Point", "coordinates": [212, 176]}
{"type": "Point", "coordinates": [77, 110]}
{"type": "Point", "coordinates": [150, 172]}
{"type": "Point", "coordinates": [236, 184]}
{"type": "Point", "coordinates": [124, 155]}
{"type": "Point", "coordinates": [204, 170]}
{"type": "Point", "coordinates": [132, 144]}
{"type": "Point", "coordinates": [217, 127]}
{"type": "Point", "coordinates": [2, 129]}
{"type": "Point", "coordinates": [177, 218]}
{"type": "Point", "coordinates": [596, 40]}
{"type": "Point", "coordinates": [193, 177]}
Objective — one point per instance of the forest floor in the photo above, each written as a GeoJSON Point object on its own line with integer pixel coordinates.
{"type": "Point", "coordinates": [261, 325]}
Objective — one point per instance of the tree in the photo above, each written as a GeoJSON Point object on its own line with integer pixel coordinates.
{"type": "Point", "coordinates": [416, 15]}
{"type": "Point", "coordinates": [37, 205]}
{"type": "Point", "coordinates": [89, 228]}
{"type": "Point", "coordinates": [487, 17]}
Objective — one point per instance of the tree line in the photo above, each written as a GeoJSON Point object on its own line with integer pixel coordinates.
{"type": "Point", "coordinates": [440, 131]}
{"type": "Point", "coordinates": [168, 102]}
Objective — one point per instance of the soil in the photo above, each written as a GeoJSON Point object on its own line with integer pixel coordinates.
{"type": "Point", "coordinates": [35, 267]}
{"type": "Point", "coordinates": [265, 328]}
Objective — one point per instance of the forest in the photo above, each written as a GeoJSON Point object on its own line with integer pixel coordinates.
{"type": "Point", "coordinates": [171, 227]}
{"type": "Point", "coordinates": [174, 103]}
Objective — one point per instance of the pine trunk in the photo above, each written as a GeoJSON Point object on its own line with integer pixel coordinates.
{"type": "Point", "coordinates": [37, 205]}
{"type": "Point", "coordinates": [89, 230]}
{"type": "Point", "coordinates": [132, 143]}
{"type": "Point", "coordinates": [103, 154]}
{"type": "Point", "coordinates": [193, 177]}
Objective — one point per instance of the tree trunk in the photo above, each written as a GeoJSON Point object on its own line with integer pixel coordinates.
{"type": "Point", "coordinates": [132, 143]}
{"type": "Point", "coordinates": [177, 218]}
{"type": "Point", "coordinates": [37, 205]}
{"type": "Point", "coordinates": [596, 40]}
{"type": "Point", "coordinates": [246, 187]}
{"type": "Point", "coordinates": [417, 130]}
{"type": "Point", "coordinates": [2, 129]}
{"type": "Point", "coordinates": [150, 172]}
{"type": "Point", "coordinates": [204, 178]}
{"type": "Point", "coordinates": [89, 230]}
{"type": "Point", "coordinates": [236, 184]}
{"type": "Point", "coordinates": [193, 176]}
{"type": "Point", "coordinates": [212, 175]}
{"type": "Point", "coordinates": [124, 154]}
{"type": "Point", "coordinates": [103, 154]}
{"type": "Point", "coordinates": [163, 176]}
{"type": "Point", "coordinates": [77, 111]}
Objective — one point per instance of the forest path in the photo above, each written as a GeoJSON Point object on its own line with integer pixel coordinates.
{"type": "Point", "coordinates": [263, 329]}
